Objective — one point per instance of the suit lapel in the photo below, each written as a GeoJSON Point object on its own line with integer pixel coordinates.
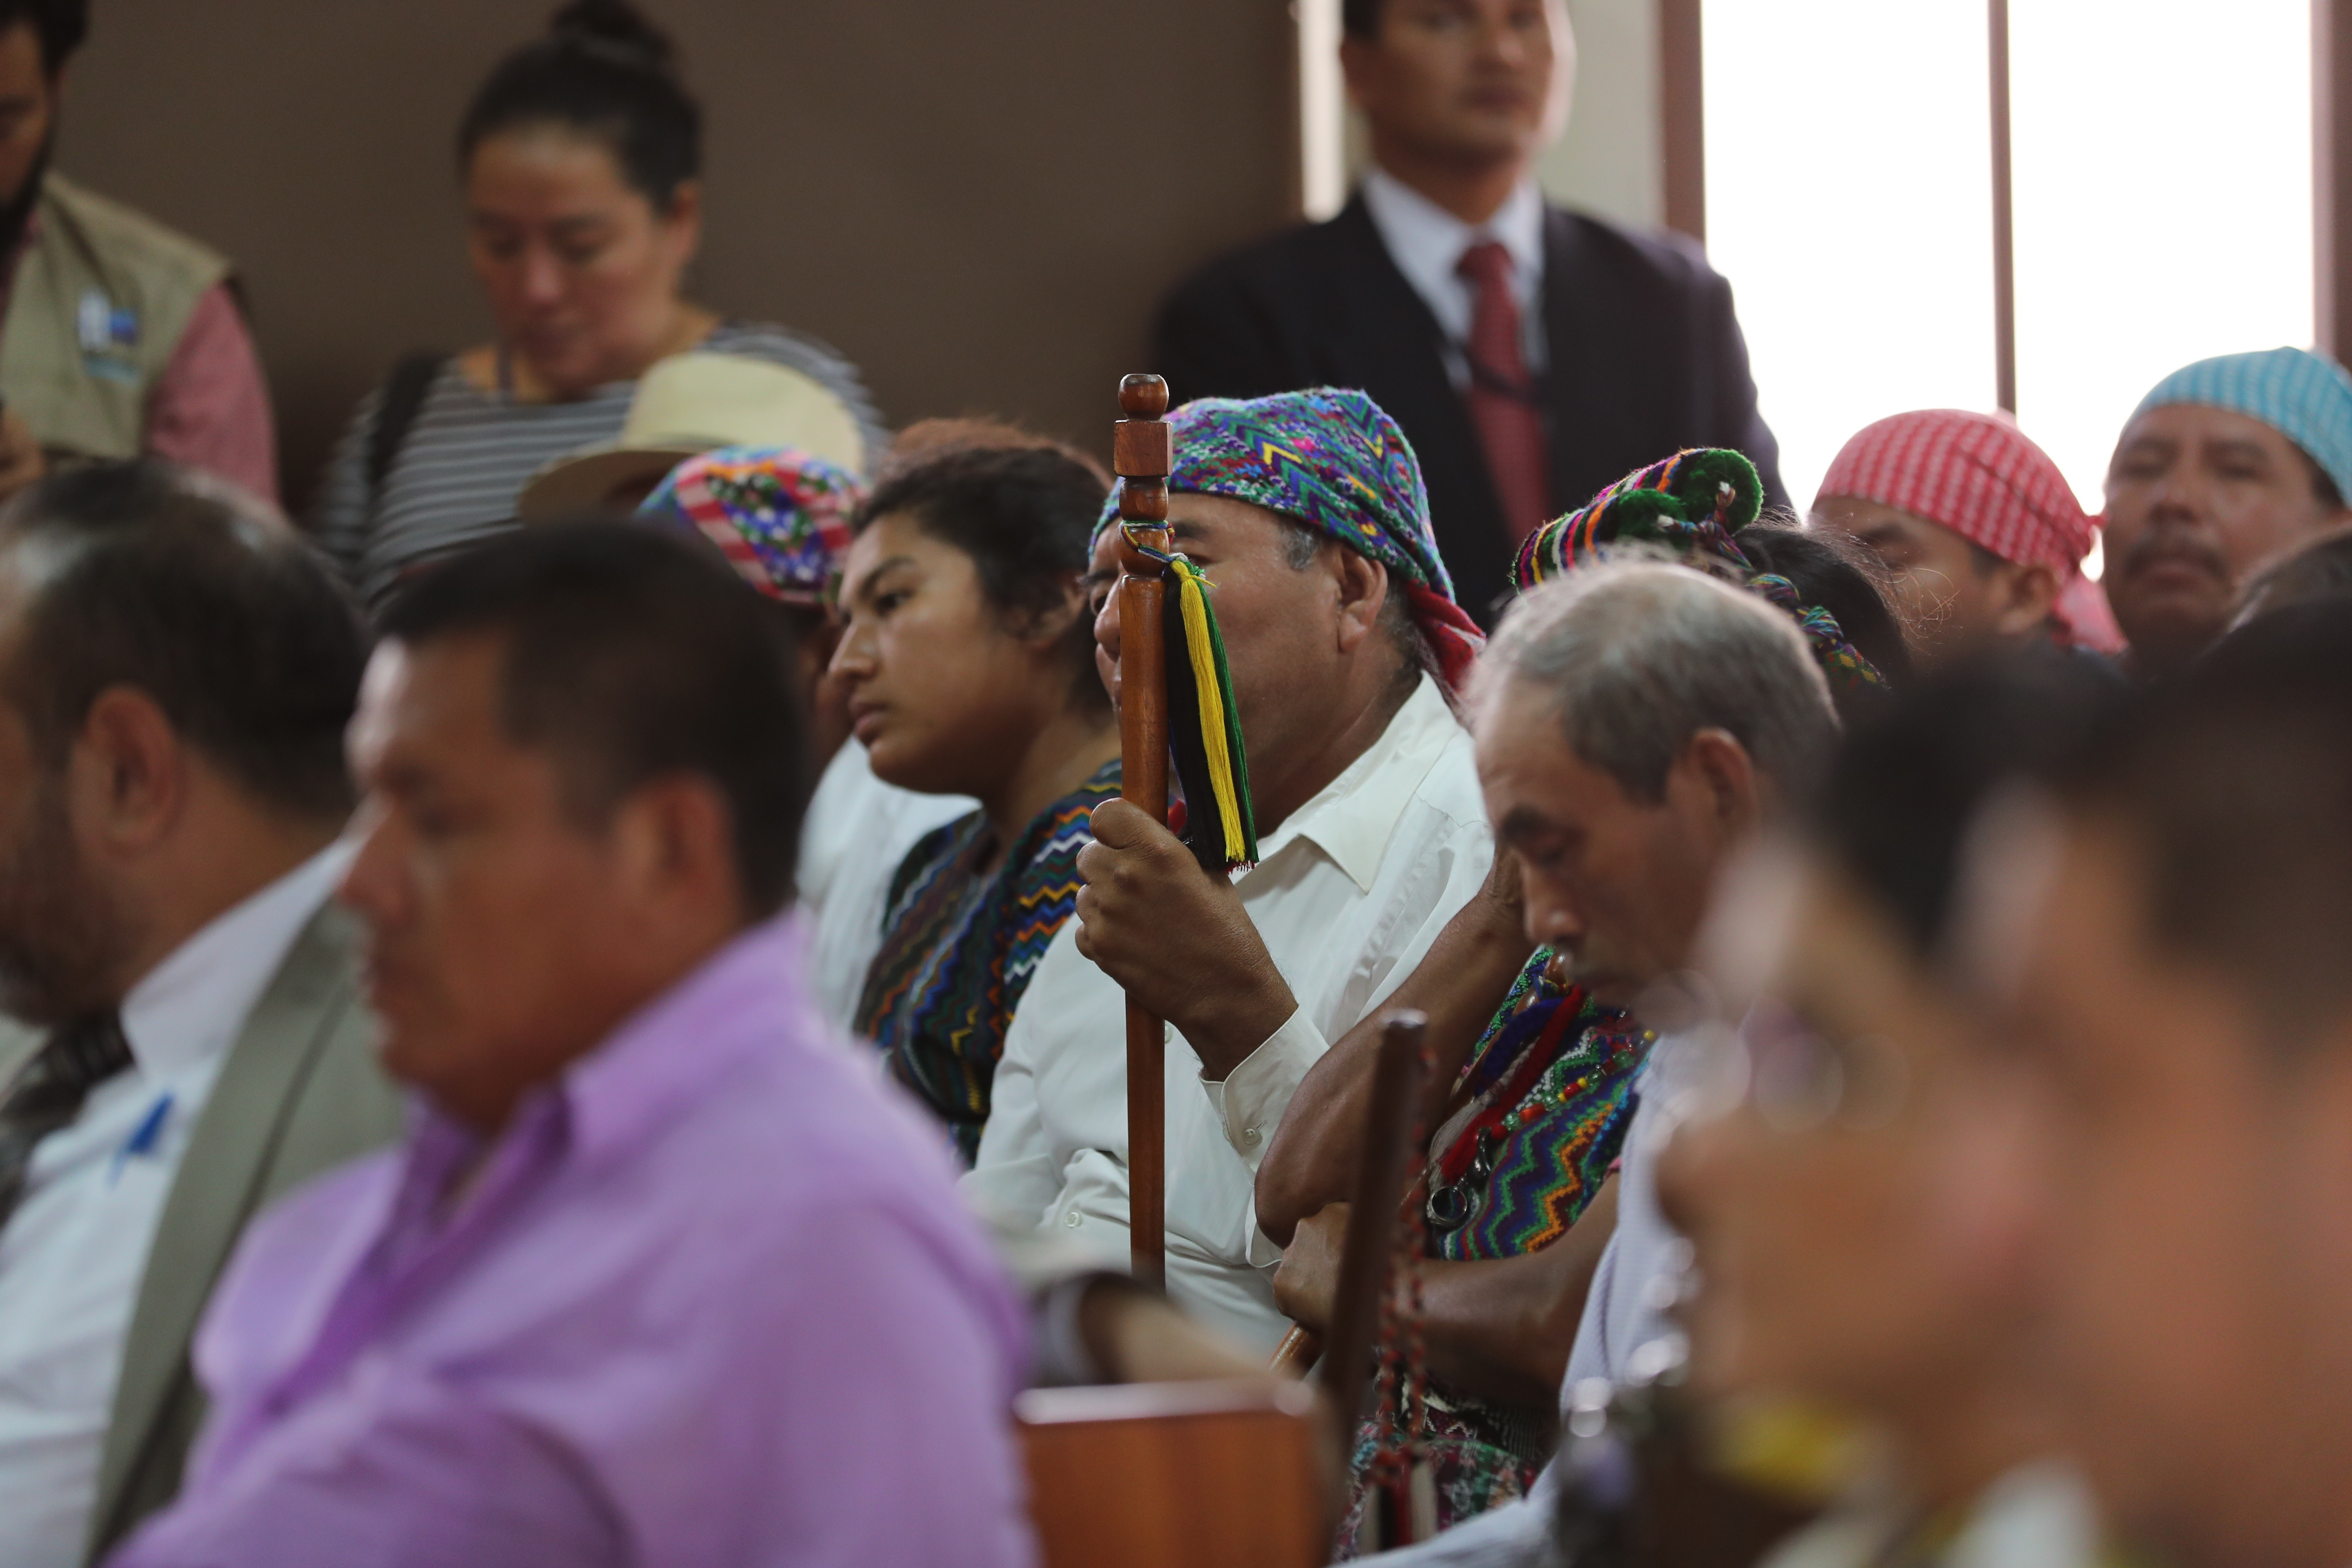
{"type": "Point", "coordinates": [1392, 344]}
{"type": "Point", "coordinates": [221, 1179]}
{"type": "Point", "coordinates": [1578, 338]}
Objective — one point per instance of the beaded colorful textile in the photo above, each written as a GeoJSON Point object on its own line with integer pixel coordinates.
{"type": "Point", "coordinates": [780, 516]}
{"type": "Point", "coordinates": [959, 949]}
{"type": "Point", "coordinates": [1333, 459]}
{"type": "Point", "coordinates": [1544, 1097]}
{"type": "Point", "coordinates": [1470, 1472]}
{"type": "Point", "coordinates": [1540, 1113]}
{"type": "Point", "coordinates": [1672, 502]}
{"type": "Point", "coordinates": [1692, 504]}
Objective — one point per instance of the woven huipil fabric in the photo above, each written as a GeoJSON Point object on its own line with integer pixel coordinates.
{"type": "Point", "coordinates": [1560, 1139]}
{"type": "Point", "coordinates": [1569, 1083]}
{"type": "Point", "coordinates": [780, 516]}
{"type": "Point", "coordinates": [958, 947]}
{"type": "Point", "coordinates": [2305, 397]}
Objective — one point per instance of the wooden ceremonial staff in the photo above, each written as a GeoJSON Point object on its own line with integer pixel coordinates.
{"type": "Point", "coordinates": [1142, 455]}
{"type": "Point", "coordinates": [1343, 1360]}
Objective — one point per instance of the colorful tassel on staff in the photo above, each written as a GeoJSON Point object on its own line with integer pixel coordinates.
{"type": "Point", "coordinates": [1204, 728]}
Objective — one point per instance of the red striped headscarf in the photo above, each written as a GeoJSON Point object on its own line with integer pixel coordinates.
{"type": "Point", "coordinates": [1978, 475]}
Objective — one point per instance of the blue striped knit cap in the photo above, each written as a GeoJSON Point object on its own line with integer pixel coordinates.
{"type": "Point", "coordinates": [2305, 397]}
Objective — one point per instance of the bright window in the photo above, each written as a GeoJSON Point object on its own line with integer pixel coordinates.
{"type": "Point", "coordinates": [2162, 194]}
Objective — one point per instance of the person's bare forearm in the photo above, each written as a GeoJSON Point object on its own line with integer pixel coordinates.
{"type": "Point", "coordinates": [1465, 976]}
{"type": "Point", "coordinates": [1502, 1327]}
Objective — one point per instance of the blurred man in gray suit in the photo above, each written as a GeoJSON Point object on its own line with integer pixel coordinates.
{"type": "Point", "coordinates": [175, 674]}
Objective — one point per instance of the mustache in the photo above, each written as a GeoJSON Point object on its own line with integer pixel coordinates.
{"type": "Point", "coordinates": [2172, 540]}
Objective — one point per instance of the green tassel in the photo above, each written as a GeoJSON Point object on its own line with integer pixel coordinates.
{"type": "Point", "coordinates": [1204, 728]}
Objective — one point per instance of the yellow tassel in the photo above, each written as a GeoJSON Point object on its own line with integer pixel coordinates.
{"type": "Point", "coordinates": [1199, 648]}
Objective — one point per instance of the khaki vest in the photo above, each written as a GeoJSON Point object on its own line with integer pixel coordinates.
{"type": "Point", "coordinates": [97, 304]}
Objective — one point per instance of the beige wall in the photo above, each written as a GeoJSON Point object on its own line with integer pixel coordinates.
{"type": "Point", "coordinates": [1611, 160]}
{"type": "Point", "coordinates": [978, 203]}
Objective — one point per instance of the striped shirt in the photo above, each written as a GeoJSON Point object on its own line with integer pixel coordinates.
{"type": "Point", "coordinates": [470, 452]}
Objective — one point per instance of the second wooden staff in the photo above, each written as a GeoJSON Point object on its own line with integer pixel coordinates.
{"type": "Point", "coordinates": [1142, 455]}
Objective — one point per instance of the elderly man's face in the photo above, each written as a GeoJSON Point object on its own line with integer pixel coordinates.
{"type": "Point", "coordinates": [2198, 1200]}
{"type": "Point", "coordinates": [2196, 498]}
{"type": "Point", "coordinates": [498, 921]}
{"type": "Point", "coordinates": [1280, 622]}
{"type": "Point", "coordinates": [1617, 883]}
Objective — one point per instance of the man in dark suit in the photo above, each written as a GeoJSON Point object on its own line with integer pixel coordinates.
{"type": "Point", "coordinates": [1532, 354]}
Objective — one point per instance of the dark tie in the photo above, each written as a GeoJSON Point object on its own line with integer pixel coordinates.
{"type": "Point", "coordinates": [1503, 402]}
{"type": "Point", "coordinates": [49, 1093]}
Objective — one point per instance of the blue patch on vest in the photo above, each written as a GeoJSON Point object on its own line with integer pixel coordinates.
{"type": "Point", "coordinates": [107, 333]}
{"type": "Point", "coordinates": [101, 325]}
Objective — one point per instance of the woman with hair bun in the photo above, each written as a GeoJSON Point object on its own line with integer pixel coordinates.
{"type": "Point", "coordinates": [581, 160]}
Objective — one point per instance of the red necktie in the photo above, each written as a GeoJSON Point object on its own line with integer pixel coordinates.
{"type": "Point", "coordinates": [1502, 397]}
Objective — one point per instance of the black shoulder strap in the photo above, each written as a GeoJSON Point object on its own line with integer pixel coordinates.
{"type": "Point", "coordinates": [404, 396]}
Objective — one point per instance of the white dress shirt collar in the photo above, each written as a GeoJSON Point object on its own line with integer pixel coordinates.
{"type": "Point", "coordinates": [192, 1005]}
{"type": "Point", "coordinates": [1426, 242]}
{"type": "Point", "coordinates": [1351, 818]}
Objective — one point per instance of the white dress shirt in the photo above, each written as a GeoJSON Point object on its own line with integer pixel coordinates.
{"type": "Point", "coordinates": [1349, 893]}
{"type": "Point", "coordinates": [1427, 243]}
{"type": "Point", "coordinates": [856, 832]}
{"type": "Point", "coordinates": [72, 1254]}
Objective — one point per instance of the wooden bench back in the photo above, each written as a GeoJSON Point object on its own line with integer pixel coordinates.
{"type": "Point", "coordinates": [1175, 1475]}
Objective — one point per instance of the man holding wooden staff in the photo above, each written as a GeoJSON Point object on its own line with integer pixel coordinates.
{"type": "Point", "coordinates": [1306, 514]}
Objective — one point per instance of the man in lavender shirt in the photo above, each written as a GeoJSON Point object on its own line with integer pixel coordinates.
{"type": "Point", "coordinates": [664, 1273]}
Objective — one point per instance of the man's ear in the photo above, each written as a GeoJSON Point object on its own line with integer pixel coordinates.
{"type": "Point", "coordinates": [1719, 765]}
{"type": "Point", "coordinates": [1363, 591]}
{"type": "Point", "coordinates": [127, 777]}
{"type": "Point", "coordinates": [675, 838]}
{"type": "Point", "coordinates": [2025, 596]}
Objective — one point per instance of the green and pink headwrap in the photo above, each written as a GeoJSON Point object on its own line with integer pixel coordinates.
{"type": "Point", "coordinates": [779, 516]}
{"type": "Point", "coordinates": [1332, 459]}
{"type": "Point", "coordinates": [1692, 504]}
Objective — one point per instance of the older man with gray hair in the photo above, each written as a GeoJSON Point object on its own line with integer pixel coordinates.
{"type": "Point", "coordinates": [1636, 724]}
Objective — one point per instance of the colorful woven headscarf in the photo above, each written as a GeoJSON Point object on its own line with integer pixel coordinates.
{"type": "Point", "coordinates": [1334, 460]}
{"type": "Point", "coordinates": [1691, 504]}
{"type": "Point", "coordinates": [1978, 475]}
{"type": "Point", "coordinates": [2305, 397]}
{"type": "Point", "coordinates": [780, 516]}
